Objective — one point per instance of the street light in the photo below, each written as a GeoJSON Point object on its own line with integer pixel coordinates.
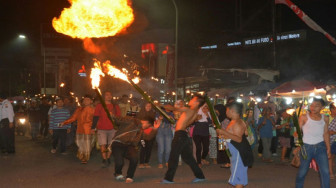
{"type": "Point", "coordinates": [176, 44]}
{"type": "Point", "coordinates": [22, 36]}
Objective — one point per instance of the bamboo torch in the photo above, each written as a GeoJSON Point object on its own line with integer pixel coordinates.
{"type": "Point", "coordinates": [117, 73]}
{"type": "Point", "coordinates": [298, 129]}
{"type": "Point", "coordinates": [96, 72]}
{"type": "Point", "coordinates": [102, 101]}
{"type": "Point", "coordinates": [147, 98]}
{"type": "Point", "coordinates": [218, 126]}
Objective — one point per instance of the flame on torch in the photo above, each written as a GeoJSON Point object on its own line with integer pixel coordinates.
{"type": "Point", "coordinates": [96, 72]}
{"type": "Point", "coordinates": [117, 73]}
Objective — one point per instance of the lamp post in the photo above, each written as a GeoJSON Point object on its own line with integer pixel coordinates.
{"type": "Point", "coordinates": [176, 45]}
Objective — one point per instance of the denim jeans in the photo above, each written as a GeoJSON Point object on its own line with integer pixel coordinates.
{"type": "Point", "coordinates": [319, 153]}
{"type": "Point", "coordinates": [181, 144]}
{"type": "Point", "coordinates": [164, 146]}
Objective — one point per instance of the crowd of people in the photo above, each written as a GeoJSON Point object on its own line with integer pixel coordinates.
{"type": "Point", "coordinates": [125, 129]}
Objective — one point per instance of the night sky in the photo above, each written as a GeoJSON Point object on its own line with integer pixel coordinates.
{"type": "Point", "coordinates": [201, 21]}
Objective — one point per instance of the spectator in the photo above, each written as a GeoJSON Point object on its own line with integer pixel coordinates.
{"type": "Point", "coordinates": [222, 158]}
{"type": "Point", "coordinates": [332, 132]}
{"type": "Point", "coordinates": [164, 139]}
{"type": "Point", "coordinates": [124, 105]}
{"type": "Point", "coordinates": [133, 109]}
{"type": "Point", "coordinates": [44, 109]}
{"type": "Point", "coordinates": [316, 143]}
{"type": "Point", "coordinates": [6, 125]}
{"type": "Point", "coordinates": [265, 127]}
{"type": "Point", "coordinates": [284, 129]}
{"type": "Point", "coordinates": [146, 145]}
{"type": "Point", "coordinates": [201, 135]}
{"type": "Point", "coordinates": [58, 132]}
{"type": "Point", "coordinates": [69, 105]}
{"type": "Point", "coordinates": [34, 116]}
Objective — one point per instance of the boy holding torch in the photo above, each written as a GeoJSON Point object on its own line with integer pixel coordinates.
{"type": "Point", "coordinates": [239, 147]}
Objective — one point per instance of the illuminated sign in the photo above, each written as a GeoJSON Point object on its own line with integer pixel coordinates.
{"type": "Point", "coordinates": [268, 39]}
{"type": "Point", "coordinates": [208, 47]}
{"type": "Point", "coordinates": [82, 72]}
{"type": "Point", "coordinates": [234, 44]}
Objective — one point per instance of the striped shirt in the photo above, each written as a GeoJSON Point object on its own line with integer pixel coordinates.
{"type": "Point", "coordinates": [59, 115]}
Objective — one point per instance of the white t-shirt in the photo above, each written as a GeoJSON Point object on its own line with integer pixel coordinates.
{"type": "Point", "coordinates": [313, 131]}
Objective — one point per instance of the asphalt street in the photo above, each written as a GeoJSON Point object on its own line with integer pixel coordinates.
{"type": "Point", "coordinates": [34, 166]}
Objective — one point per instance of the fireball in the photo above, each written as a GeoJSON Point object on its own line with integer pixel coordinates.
{"type": "Point", "coordinates": [94, 18]}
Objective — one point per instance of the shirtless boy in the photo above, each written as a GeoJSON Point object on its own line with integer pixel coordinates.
{"type": "Point", "coordinates": [181, 144]}
{"type": "Point", "coordinates": [240, 150]}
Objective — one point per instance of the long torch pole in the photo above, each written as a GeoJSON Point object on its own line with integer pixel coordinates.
{"type": "Point", "coordinates": [102, 101]}
{"type": "Point", "coordinates": [147, 98]}
{"type": "Point", "coordinates": [216, 122]}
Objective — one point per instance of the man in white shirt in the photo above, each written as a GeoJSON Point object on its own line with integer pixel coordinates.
{"type": "Point", "coordinates": [6, 125]}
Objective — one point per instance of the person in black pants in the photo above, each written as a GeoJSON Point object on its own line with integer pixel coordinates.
{"type": "Point", "coordinates": [201, 135]}
{"type": "Point", "coordinates": [7, 125]}
{"type": "Point", "coordinates": [125, 143]}
{"type": "Point", "coordinates": [181, 144]}
{"type": "Point", "coordinates": [145, 152]}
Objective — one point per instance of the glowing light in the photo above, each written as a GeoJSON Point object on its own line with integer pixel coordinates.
{"type": "Point", "coordinates": [290, 111]}
{"type": "Point", "coordinates": [62, 84]}
{"type": "Point", "coordinates": [310, 100]}
{"type": "Point", "coordinates": [293, 91]}
{"type": "Point", "coordinates": [239, 100]}
{"type": "Point", "coordinates": [22, 120]}
{"type": "Point", "coordinates": [311, 94]}
{"type": "Point", "coordinates": [94, 19]}
{"type": "Point", "coordinates": [288, 100]}
{"type": "Point", "coordinates": [258, 99]}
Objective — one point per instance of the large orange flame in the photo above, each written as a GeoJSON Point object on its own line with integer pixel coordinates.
{"type": "Point", "coordinates": [94, 18]}
{"type": "Point", "coordinates": [116, 73]}
{"type": "Point", "coordinates": [96, 73]}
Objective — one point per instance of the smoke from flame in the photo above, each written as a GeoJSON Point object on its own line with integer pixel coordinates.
{"type": "Point", "coordinates": [91, 47]}
{"type": "Point", "coordinates": [94, 19]}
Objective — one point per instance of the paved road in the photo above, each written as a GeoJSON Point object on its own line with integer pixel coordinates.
{"type": "Point", "coordinates": [34, 166]}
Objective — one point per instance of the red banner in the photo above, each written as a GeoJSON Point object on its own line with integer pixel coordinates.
{"type": "Point", "coordinates": [306, 19]}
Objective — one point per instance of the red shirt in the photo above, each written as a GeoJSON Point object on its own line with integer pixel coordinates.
{"type": "Point", "coordinates": [104, 123]}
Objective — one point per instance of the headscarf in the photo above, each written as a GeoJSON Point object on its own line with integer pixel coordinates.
{"type": "Point", "coordinates": [222, 112]}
